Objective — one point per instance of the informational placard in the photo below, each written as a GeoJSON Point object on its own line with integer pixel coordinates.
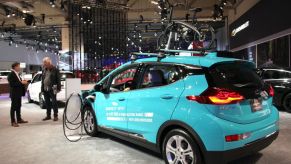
{"type": "Point", "coordinates": [72, 85]}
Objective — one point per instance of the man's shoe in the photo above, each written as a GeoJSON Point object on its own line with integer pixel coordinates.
{"type": "Point", "coordinates": [56, 118]}
{"type": "Point", "coordinates": [22, 122]}
{"type": "Point", "coordinates": [46, 118]}
{"type": "Point", "coordinates": [14, 124]}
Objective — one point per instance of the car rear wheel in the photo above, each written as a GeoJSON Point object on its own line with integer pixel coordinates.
{"type": "Point", "coordinates": [180, 148]}
{"type": "Point", "coordinates": [41, 101]}
{"type": "Point", "coordinates": [287, 102]}
{"type": "Point", "coordinates": [90, 122]}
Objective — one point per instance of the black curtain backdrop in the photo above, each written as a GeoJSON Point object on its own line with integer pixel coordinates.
{"type": "Point", "coordinates": [277, 50]}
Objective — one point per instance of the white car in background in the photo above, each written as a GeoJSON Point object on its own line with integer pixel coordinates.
{"type": "Point", "coordinates": [34, 93]}
{"type": "Point", "coordinates": [3, 77]}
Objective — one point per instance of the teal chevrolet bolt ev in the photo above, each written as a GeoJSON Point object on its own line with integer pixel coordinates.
{"type": "Point", "coordinates": [191, 109]}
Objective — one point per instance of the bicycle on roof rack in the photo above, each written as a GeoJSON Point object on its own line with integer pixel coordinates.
{"type": "Point", "coordinates": [183, 35]}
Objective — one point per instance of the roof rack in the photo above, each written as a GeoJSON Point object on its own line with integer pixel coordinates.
{"type": "Point", "coordinates": [165, 52]}
{"type": "Point", "coordinates": [189, 51]}
{"type": "Point", "coordinates": [159, 55]}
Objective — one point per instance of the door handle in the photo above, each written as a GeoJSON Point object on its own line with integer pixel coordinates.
{"type": "Point", "coordinates": [167, 97]}
{"type": "Point", "coordinates": [121, 99]}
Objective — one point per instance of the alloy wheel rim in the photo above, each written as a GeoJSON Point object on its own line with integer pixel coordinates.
{"type": "Point", "coordinates": [179, 151]}
{"type": "Point", "coordinates": [89, 121]}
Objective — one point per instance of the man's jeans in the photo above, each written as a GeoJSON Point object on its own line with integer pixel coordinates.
{"type": "Point", "coordinates": [51, 102]}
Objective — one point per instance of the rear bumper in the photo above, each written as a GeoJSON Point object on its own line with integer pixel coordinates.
{"type": "Point", "coordinates": [250, 148]}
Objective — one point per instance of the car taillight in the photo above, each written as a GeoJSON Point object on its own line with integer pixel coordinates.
{"type": "Point", "coordinates": [237, 137]}
{"type": "Point", "coordinates": [218, 96]}
{"type": "Point", "coordinates": [271, 91]}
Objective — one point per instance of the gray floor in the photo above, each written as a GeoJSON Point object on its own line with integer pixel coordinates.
{"type": "Point", "coordinates": [43, 143]}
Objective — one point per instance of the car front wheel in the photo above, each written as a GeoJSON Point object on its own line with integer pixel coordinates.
{"type": "Point", "coordinates": [90, 123]}
{"type": "Point", "coordinates": [180, 148]}
{"type": "Point", "coordinates": [287, 102]}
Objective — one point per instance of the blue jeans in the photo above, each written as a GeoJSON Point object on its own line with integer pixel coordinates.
{"type": "Point", "coordinates": [51, 102]}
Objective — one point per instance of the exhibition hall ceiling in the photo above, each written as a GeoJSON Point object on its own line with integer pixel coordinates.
{"type": "Point", "coordinates": [40, 21]}
{"type": "Point", "coordinates": [55, 12]}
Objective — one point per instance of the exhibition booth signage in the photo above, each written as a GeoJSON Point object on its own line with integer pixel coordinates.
{"type": "Point", "coordinates": [266, 18]}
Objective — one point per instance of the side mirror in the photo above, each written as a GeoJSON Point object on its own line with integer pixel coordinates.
{"type": "Point", "coordinates": [98, 87]}
{"type": "Point", "coordinates": [101, 88]}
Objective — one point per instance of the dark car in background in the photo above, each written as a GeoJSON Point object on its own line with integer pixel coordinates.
{"type": "Point", "coordinates": [280, 79]}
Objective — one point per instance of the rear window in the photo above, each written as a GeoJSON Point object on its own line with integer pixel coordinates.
{"type": "Point", "coordinates": [66, 75]}
{"type": "Point", "coordinates": [237, 76]}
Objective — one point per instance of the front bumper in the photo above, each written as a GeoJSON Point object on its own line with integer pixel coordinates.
{"type": "Point", "coordinates": [250, 148]}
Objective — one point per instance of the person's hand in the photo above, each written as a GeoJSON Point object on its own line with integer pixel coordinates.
{"type": "Point", "coordinates": [24, 82]}
{"type": "Point", "coordinates": [126, 89]}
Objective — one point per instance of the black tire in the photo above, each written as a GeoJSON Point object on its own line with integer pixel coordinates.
{"type": "Point", "coordinates": [29, 98]}
{"type": "Point", "coordinates": [90, 122]}
{"type": "Point", "coordinates": [41, 101]}
{"type": "Point", "coordinates": [287, 103]}
{"type": "Point", "coordinates": [186, 142]}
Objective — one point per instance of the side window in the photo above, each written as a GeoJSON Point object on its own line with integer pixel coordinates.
{"type": "Point", "coordinates": [268, 74]}
{"type": "Point", "coordinates": [37, 78]}
{"type": "Point", "coordinates": [288, 75]}
{"type": "Point", "coordinates": [123, 81]}
{"type": "Point", "coordinates": [160, 75]}
{"type": "Point", "coordinates": [278, 75]}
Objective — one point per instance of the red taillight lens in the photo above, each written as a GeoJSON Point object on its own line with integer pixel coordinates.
{"type": "Point", "coordinates": [237, 137]}
{"type": "Point", "coordinates": [217, 96]}
{"type": "Point", "coordinates": [271, 91]}
{"type": "Point", "coordinates": [232, 138]}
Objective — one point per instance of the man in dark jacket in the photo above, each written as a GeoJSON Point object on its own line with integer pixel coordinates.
{"type": "Point", "coordinates": [50, 86]}
{"type": "Point", "coordinates": [17, 90]}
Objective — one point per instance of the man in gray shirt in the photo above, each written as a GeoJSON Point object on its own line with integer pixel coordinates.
{"type": "Point", "coordinates": [50, 86]}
